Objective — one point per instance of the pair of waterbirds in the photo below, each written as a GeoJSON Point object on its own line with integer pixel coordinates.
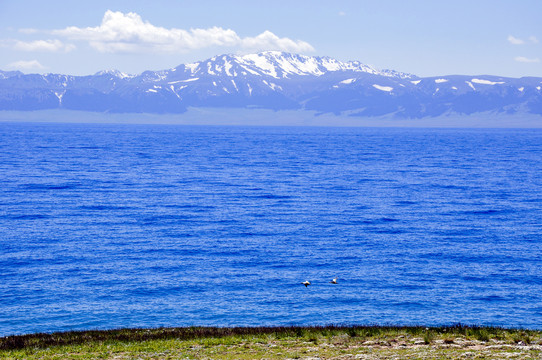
{"type": "Point", "coordinates": [307, 283]}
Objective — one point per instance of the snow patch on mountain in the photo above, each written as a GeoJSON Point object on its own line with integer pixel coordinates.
{"type": "Point", "coordinates": [273, 86]}
{"type": "Point", "coordinates": [173, 91]}
{"type": "Point", "coordinates": [182, 81]}
{"type": "Point", "coordinates": [260, 62]}
{"type": "Point", "coordinates": [209, 71]}
{"type": "Point", "coordinates": [59, 95]}
{"type": "Point", "coordinates": [227, 67]}
{"type": "Point", "coordinates": [297, 65]}
{"type": "Point", "coordinates": [383, 88]}
{"type": "Point", "coordinates": [192, 67]}
{"type": "Point", "coordinates": [486, 82]}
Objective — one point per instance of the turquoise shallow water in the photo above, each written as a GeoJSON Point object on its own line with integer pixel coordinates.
{"type": "Point", "coordinates": [107, 226]}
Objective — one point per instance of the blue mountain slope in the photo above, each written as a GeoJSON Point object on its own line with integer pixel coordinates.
{"type": "Point", "coordinates": [276, 81]}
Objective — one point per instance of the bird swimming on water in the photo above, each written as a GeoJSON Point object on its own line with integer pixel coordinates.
{"type": "Point", "coordinates": [334, 281]}
{"type": "Point", "coordinates": [306, 283]}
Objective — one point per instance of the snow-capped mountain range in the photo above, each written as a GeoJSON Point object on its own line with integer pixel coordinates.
{"type": "Point", "coordinates": [277, 81]}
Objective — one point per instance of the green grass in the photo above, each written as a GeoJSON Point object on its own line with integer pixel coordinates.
{"type": "Point", "coordinates": [324, 342]}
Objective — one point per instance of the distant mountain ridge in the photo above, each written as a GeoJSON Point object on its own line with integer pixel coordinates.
{"type": "Point", "coordinates": [277, 81]}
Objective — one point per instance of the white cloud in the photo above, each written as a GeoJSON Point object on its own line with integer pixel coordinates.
{"type": "Point", "coordinates": [269, 41]}
{"type": "Point", "coordinates": [121, 32]}
{"type": "Point", "coordinates": [25, 65]}
{"type": "Point", "coordinates": [515, 40]}
{"type": "Point", "coordinates": [342, 13]}
{"type": "Point", "coordinates": [43, 45]}
{"type": "Point", "coordinates": [523, 59]}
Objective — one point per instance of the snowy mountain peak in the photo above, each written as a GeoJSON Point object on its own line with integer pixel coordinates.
{"type": "Point", "coordinates": [280, 65]}
{"type": "Point", "coordinates": [283, 65]}
{"type": "Point", "coordinates": [115, 73]}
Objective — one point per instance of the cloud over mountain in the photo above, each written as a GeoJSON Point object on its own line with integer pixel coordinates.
{"type": "Point", "coordinates": [129, 33]}
{"type": "Point", "coordinates": [32, 65]}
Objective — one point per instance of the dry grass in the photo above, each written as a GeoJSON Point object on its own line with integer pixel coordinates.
{"type": "Point", "coordinates": [330, 342]}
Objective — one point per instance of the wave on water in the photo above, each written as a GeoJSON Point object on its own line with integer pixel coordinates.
{"type": "Point", "coordinates": [145, 226]}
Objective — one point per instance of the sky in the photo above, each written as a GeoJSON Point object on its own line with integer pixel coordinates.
{"type": "Point", "coordinates": [421, 37]}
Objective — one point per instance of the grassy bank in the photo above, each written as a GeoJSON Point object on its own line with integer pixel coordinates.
{"type": "Point", "coordinates": [329, 342]}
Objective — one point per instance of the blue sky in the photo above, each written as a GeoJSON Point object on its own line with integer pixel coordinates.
{"type": "Point", "coordinates": [423, 37]}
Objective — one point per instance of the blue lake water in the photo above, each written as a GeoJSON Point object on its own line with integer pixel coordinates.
{"type": "Point", "coordinates": [108, 226]}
